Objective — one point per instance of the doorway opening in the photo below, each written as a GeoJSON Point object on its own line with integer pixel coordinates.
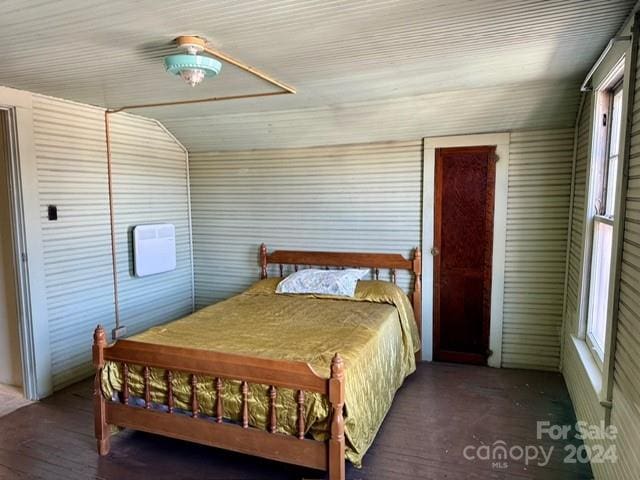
{"type": "Point", "coordinates": [463, 251]}
{"type": "Point", "coordinates": [12, 394]}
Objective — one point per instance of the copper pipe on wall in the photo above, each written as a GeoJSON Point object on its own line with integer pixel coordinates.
{"type": "Point", "coordinates": [199, 100]}
{"type": "Point", "coordinates": [285, 90]}
{"type": "Point", "coordinates": [250, 69]}
{"type": "Point", "coordinates": [114, 266]}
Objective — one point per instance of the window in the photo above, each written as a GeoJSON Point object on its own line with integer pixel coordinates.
{"type": "Point", "coordinates": [602, 205]}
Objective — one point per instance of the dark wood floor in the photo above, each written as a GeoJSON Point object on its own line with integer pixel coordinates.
{"type": "Point", "coordinates": [441, 409]}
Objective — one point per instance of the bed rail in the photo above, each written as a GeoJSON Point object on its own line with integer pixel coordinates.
{"type": "Point", "coordinates": [276, 374]}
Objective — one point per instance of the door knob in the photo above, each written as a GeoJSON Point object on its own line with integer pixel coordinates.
{"type": "Point", "coordinates": [435, 251]}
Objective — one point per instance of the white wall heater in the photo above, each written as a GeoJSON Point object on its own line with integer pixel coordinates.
{"type": "Point", "coordinates": [154, 249]}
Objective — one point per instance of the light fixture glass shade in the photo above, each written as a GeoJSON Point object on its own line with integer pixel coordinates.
{"type": "Point", "coordinates": [193, 76]}
{"type": "Point", "coordinates": [192, 68]}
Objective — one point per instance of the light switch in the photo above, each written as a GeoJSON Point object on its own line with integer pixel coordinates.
{"type": "Point", "coordinates": [52, 212]}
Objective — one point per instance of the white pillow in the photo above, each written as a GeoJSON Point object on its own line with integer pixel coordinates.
{"type": "Point", "coordinates": [323, 282]}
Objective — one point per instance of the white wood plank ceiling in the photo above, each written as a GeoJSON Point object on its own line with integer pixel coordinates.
{"type": "Point", "coordinates": [364, 70]}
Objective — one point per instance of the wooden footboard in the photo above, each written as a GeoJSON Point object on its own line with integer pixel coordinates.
{"type": "Point", "coordinates": [276, 374]}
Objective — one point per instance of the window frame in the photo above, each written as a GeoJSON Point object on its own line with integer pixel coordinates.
{"type": "Point", "coordinates": [596, 350]}
{"type": "Point", "coordinates": [599, 189]}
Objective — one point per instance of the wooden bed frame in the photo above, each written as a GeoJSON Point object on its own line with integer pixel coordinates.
{"type": "Point", "coordinates": [298, 376]}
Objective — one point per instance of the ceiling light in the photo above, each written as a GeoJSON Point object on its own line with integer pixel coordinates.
{"type": "Point", "coordinates": [192, 67]}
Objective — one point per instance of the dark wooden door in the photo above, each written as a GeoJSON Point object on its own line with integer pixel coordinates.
{"type": "Point", "coordinates": [464, 196]}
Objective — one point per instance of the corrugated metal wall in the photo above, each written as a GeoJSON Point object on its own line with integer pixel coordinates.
{"type": "Point", "coordinates": [368, 197]}
{"type": "Point", "coordinates": [626, 389]}
{"type": "Point", "coordinates": [537, 214]}
{"type": "Point", "coordinates": [625, 413]}
{"type": "Point", "coordinates": [150, 184]}
{"type": "Point", "coordinates": [584, 397]}
{"type": "Point", "coordinates": [577, 214]}
{"type": "Point", "coordinates": [354, 197]}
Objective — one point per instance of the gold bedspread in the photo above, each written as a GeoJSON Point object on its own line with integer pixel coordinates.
{"type": "Point", "coordinates": [374, 332]}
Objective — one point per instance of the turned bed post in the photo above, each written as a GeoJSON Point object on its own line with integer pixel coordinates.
{"type": "Point", "coordinates": [263, 261]}
{"type": "Point", "coordinates": [416, 266]}
{"type": "Point", "coordinates": [99, 403]}
{"type": "Point", "coordinates": [336, 461]}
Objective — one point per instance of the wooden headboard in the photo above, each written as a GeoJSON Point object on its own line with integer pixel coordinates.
{"type": "Point", "coordinates": [375, 261]}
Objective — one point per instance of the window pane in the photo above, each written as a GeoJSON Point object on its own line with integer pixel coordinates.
{"type": "Point", "coordinates": [616, 114]}
{"type": "Point", "coordinates": [599, 286]}
{"type": "Point", "coordinates": [614, 146]}
{"type": "Point", "coordinates": [611, 186]}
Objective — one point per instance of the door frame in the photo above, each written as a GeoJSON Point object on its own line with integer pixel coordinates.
{"type": "Point", "coordinates": [429, 146]}
{"type": "Point", "coordinates": [27, 235]}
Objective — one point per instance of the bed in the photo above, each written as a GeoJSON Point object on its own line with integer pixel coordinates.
{"type": "Point", "coordinates": [301, 379]}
